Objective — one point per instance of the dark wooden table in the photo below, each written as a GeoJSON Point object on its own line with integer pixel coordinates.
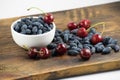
{"type": "Point", "coordinates": [14, 63]}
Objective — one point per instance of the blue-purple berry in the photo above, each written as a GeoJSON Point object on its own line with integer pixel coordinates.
{"type": "Point", "coordinates": [72, 52]}
{"type": "Point", "coordinates": [116, 48]}
{"type": "Point", "coordinates": [106, 50]}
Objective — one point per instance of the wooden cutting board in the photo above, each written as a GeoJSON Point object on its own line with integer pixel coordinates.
{"type": "Point", "coordinates": [14, 63]}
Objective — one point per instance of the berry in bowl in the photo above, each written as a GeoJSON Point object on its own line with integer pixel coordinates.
{"type": "Point", "coordinates": [33, 31]}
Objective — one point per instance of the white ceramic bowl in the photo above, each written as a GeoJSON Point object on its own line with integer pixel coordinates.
{"type": "Point", "coordinates": [27, 41]}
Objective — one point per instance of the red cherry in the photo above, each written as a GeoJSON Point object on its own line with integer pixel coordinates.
{"type": "Point", "coordinates": [96, 38]}
{"type": "Point", "coordinates": [48, 18]}
{"type": "Point", "coordinates": [85, 54]}
{"type": "Point", "coordinates": [82, 32]}
{"type": "Point", "coordinates": [72, 25]}
{"type": "Point", "coordinates": [32, 53]}
{"type": "Point", "coordinates": [61, 49]}
{"type": "Point", "coordinates": [84, 23]}
{"type": "Point", "coordinates": [44, 53]}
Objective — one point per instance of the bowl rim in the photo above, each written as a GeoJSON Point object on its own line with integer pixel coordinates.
{"type": "Point", "coordinates": [12, 28]}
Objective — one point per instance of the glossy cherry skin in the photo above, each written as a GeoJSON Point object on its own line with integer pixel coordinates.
{"type": "Point", "coordinates": [44, 53]}
{"type": "Point", "coordinates": [72, 25]}
{"type": "Point", "coordinates": [85, 54]}
{"type": "Point", "coordinates": [48, 18]}
{"type": "Point", "coordinates": [82, 32]}
{"type": "Point", "coordinates": [96, 38]}
{"type": "Point", "coordinates": [84, 23]}
{"type": "Point", "coordinates": [32, 53]}
{"type": "Point", "coordinates": [61, 49]}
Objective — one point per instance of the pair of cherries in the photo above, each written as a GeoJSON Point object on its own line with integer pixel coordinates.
{"type": "Point", "coordinates": [48, 18]}
{"type": "Point", "coordinates": [44, 53]}
{"type": "Point", "coordinates": [83, 25]}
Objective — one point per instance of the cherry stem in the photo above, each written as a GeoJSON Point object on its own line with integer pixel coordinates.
{"type": "Point", "coordinates": [36, 9]}
{"type": "Point", "coordinates": [95, 25]}
{"type": "Point", "coordinates": [25, 47]}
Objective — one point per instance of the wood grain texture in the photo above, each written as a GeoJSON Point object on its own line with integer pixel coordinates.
{"type": "Point", "coordinates": [14, 63]}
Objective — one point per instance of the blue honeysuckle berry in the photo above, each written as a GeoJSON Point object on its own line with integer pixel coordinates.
{"type": "Point", "coordinates": [111, 45]}
{"type": "Point", "coordinates": [40, 17]}
{"type": "Point", "coordinates": [23, 31]}
{"type": "Point", "coordinates": [65, 38]}
{"type": "Point", "coordinates": [51, 26]}
{"type": "Point", "coordinates": [116, 48]}
{"type": "Point", "coordinates": [39, 31]}
{"type": "Point", "coordinates": [34, 30]}
{"type": "Point", "coordinates": [114, 41]}
{"type": "Point", "coordinates": [28, 31]}
{"type": "Point", "coordinates": [52, 46]}
{"type": "Point", "coordinates": [75, 48]}
{"type": "Point", "coordinates": [16, 28]}
{"type": "Point", "coordinates": [74, 31]}
{"type": "Point", "coordinates": [106, 40]}
{"type": "Point", "coordinates": [106, 50]}
{"type": "Point", "coordinates": [24, 27]}
{"type": "Point", "coordinates": [72, 52]}
{"type": "Point", "coordinates": [40, 26]}
{"type": "Point", "coordinates": [92, 49]}
{"type": "Point", "coordinates": [36, 23]}
{"type": "Point", "coordinates": [28, 22]}
{"type": "Point", "coordinates": [73, 44]}
{"type": "Point", "coordinates": [86, 47]}
{"type": "Point", "coordinates": [30, 27]}
{"type": "Point", "coordinates": [59, 39]}
{"type": "Point", "coordinates": [67, 31]}
{"type": "Point", "coordinates": [99, 48]}
{"type": "Point", "coordinates": [92, 30]}
{"type": "Point", "coordinates": [53, 52]}
{"type": "Point", "coordinates": [80, 46]}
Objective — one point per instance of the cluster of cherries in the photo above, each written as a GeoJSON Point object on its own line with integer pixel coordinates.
{"type": "Point", "coordinates": [82, 32]}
